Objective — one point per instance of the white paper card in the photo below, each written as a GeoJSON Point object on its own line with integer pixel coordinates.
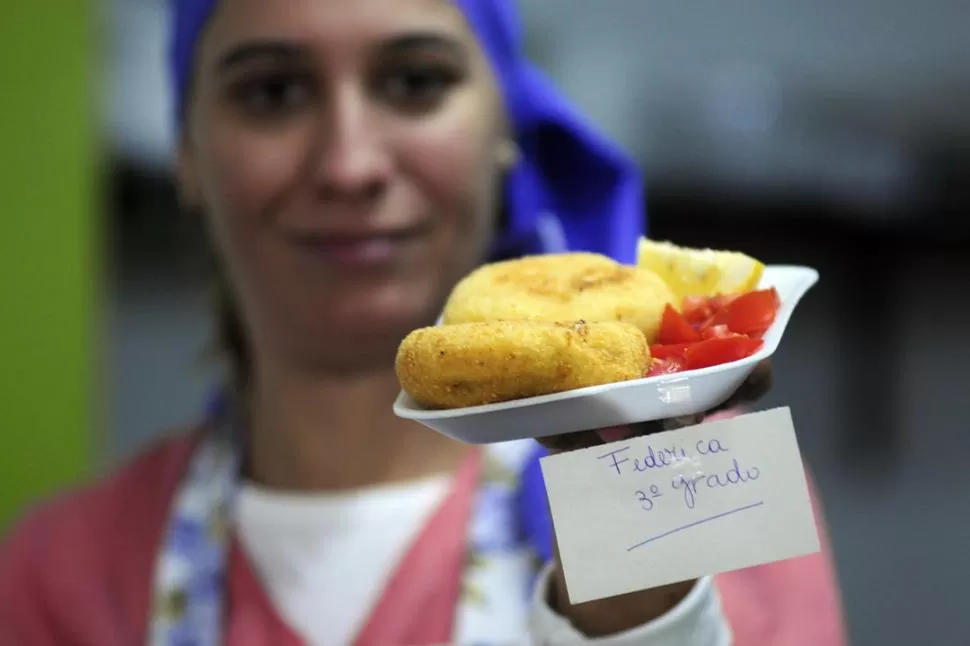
{"type": "Point", "coordinates": [679, 505]}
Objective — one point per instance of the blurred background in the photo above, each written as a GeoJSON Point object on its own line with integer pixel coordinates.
{"type": "Point", "coordinates": [829, 133]}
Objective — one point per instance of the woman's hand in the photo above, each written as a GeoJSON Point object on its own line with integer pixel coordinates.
{"type": "Point", "coordinates": [617, 614]}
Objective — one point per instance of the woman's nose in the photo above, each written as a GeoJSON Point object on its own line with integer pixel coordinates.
{"type": "Point", "coordinates": [353, 158]}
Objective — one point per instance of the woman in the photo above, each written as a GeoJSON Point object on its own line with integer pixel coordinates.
{"type": "Point", "coordinates": [353, 160]}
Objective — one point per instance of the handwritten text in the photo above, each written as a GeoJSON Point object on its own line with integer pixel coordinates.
{"type": "Point", "coordinates": [688, 478]}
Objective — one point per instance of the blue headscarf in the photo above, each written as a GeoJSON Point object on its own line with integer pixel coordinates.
{"type": "Point", "coordinates": [571, 189]}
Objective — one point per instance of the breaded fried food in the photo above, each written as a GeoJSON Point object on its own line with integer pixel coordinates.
{"type": "Point", "coordinates": [454, 366]}
{"type": "Point", "coordinates": [562, 287]}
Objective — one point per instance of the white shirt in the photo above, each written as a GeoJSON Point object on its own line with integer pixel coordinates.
{"type": "Point", "coordinates": [344, 547]}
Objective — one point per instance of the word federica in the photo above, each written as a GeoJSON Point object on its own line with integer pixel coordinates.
{"type": "Point", "coordinates": [685, 462]}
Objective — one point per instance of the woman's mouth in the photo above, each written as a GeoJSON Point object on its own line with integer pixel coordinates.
{"type": "Point", "coordinates": [358, 249]}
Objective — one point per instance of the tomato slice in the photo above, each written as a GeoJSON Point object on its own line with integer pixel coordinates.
{"type": "Point", "coordinates": [721, 301]}
{"type": "Point", "coordinates": [713, 330]}
{"type": "Point", "coordinates": [751, 313]}
{"type": "Point", "coordinates": [664, 367]}
{"type": "Point", "coordinates": [673, 352]}
{"type": "Point", "coordinates": [717, 332]}
{"type": "Point", "coordinates": [717, 351]}
{"type": "Point", "coordinates": [697, 309]}
{"type": "Point", "coordinates": [705, 311]}
{"type": "Point", "coordinates": [674, 328]}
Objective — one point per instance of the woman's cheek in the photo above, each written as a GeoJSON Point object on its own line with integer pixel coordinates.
{"type": "Point", "coordinates": [249, 170]}
{"type": "Point", "coordinates": [456, 171]}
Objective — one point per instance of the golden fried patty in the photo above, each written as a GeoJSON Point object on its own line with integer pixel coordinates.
{"type": "Point", "coordinates": [561, 287]}
{"type": "Point", "coordinates": [453, 366]}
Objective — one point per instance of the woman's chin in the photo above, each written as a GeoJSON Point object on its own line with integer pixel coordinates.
{"type": "Point", "coordinates": [368, 341]}
{"type": "Point", "coordinates": [392, 312]}
{"type": "Point", "coordinates": [362, 329]}
{"type": "Point", "coordinates": [393, 328]}
{"type": "Point", "coordinates": [351, 348]}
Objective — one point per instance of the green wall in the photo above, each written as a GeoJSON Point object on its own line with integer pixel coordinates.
{"type": "Point", "coordinates": [48, 248]}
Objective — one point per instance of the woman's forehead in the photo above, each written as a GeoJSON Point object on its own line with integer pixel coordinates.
{"type": "Point", "coordinates": [332, 22]}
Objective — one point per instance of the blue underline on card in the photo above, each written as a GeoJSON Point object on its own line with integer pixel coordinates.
{"type": "Point", "coordinates": [695, 524]}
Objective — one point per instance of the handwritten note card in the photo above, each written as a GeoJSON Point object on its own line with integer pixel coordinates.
{"type": "Point", "coordinates": [678, 505]}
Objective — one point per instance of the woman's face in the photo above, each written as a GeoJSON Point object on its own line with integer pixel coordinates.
{"type": "Point", "coordinates": [348, 157]}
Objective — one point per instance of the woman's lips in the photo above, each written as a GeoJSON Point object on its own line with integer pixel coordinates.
{"type": "Point", "coordinates": [358, 249]}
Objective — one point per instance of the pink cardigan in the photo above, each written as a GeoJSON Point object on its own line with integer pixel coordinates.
{"type": "Point", "coordinates": [78, 571]}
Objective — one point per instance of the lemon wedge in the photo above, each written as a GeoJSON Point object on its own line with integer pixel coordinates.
{"type": "Point", "coordinates": [699, 272]}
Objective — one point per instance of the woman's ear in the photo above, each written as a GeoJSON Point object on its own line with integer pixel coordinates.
{"type": "Point", "coordinates": [507, 153]}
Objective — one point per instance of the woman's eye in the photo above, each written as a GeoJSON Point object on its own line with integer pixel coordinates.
{"type": "Point", "coordinates": [418, 88]}
{"type": "Point", "coordinates": [272, 96]}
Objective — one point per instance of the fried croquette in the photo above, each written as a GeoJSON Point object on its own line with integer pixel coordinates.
{"type": "Point", "coordinates": [562, 287]}
{"type": "Point", "coordinates": [468, 364]}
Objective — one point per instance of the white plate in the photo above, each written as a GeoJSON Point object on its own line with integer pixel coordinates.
{"type": "Point", "coordinates": [616, 404]}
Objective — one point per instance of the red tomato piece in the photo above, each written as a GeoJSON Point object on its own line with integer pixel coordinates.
{"type": "Point", "coordinates": [674, 328]}
{"type": "Point", "coordinates": [674, 352]}
{"type": "Point", "coordinates": [751, 313]}
{"type": "Point", "coordinates": [664, 367]}
{"type": "Point", "coordinates": [717, 332]}
{"type": "Point", "coordinates": [707, 323]}
{"type": "Point", "coordinates": [697, 309]}
{"type": "Point", "coordinates": [712, 311]}
{"type": "Point", "coordinates": [717, 351]}
{"type": "Point", "coordinates": [721, 301]}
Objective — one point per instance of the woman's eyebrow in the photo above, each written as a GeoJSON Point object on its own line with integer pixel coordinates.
{"type": "Point", "coordinates": [425, 41]}
{"type": "Point", "coordinates": [261, 49]}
